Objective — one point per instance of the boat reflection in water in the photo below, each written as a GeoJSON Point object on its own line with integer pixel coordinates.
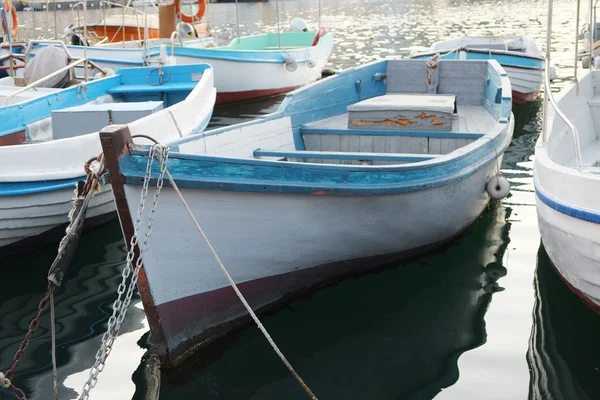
{"type": "Point", "coordinates": [563, 356]}
{"type": "Point", "coordinates": [83, 305]}
{"type": "Point", "coordinates": [396, 334]}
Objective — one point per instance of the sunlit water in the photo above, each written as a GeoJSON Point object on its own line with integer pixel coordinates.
{"type": "Point", "coordinates": [487, 318]}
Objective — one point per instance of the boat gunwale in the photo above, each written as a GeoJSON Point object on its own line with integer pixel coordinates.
{"type": "Point", "coordinates": [133, 169]}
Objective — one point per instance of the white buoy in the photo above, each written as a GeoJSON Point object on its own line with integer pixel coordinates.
{"type": "Point", "coordinates": [586, 62]}
{"type": "Point", "coordinates": [290, 63]}
{"type": "Point", "coordinates": [498, 187]}
{"type": "Point", "coordinates": [108, 72]}
{"type": "Point", "coordinates": [311, 63]}
{"type": "Point", "coordinates": [298, 25]}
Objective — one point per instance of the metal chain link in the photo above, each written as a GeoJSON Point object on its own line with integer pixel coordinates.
{"type": "Point", "coordinates": [35, 323]}
{"type": "Point", "coordinates": [121, 304]}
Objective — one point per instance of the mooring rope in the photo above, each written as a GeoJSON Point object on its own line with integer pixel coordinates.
{"type": "Point", "coordinates": [53, 331]}
{"type": "Point", "coordinates": [231, 281]}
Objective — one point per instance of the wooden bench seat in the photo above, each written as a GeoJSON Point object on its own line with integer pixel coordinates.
{"type": "Point", "coordinates": [334, 155]}
{"type": "Point", "coordinates": [386, 132]}
{"type": "Point", "coordinates": [167, 87]}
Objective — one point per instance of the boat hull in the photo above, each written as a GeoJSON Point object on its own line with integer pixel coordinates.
{"type": "Point", "coordinates": [277, 245]}
{"type": "Point", "coordinates": [526, 74]}
{"type": "Point", "coordinates": [525, 82]}
{"type": "Point", "coordinates": [26, 216]}
{"type": "Point", "coordinates": [232, 69]}
{"type": "Point", "coordinates": [573, 246]}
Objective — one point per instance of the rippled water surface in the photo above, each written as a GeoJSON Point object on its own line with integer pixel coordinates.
{"type": "Point", "coordinates": [487, 318]}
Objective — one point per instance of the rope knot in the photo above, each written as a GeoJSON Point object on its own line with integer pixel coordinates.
{"type": "Point", "coordinates": [4, 381]}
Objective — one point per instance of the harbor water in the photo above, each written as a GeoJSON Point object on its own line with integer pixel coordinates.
{"type": "Point", "coordinates": [487, 317]}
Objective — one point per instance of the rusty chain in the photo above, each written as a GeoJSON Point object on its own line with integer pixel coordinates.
{"type": "Point", "coordinates": [33, 326]}
{"type": "Point", "coordinates": [91, 184]}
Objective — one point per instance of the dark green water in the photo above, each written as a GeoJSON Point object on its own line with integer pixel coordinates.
{"type": "Point", "coordinates": [487, 318]}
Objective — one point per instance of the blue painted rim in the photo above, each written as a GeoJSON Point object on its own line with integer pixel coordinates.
{"type": "Point", "coordinates": [566, 209]}
{"type": "Point", "coordinates": [192, 171]}
{"type": "Point", "coordinates": [24, 188]}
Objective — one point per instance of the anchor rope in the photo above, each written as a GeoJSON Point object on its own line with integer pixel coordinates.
{"type": "Point", "coordinates": [232, 282]}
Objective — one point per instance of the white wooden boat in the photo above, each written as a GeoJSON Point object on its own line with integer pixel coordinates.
{"type": "Point", "coordinates": [371, 162]}
{"type": "Point", "coordinates": [277, 63]}
{"type": "Point", "coordinates": [567, 183]}
{"type": "Point", "coordinates": [58, 132]}
{"type": "Point", "coordinates": [520, 56]}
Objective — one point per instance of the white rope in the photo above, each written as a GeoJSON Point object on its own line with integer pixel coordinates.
{"type": "Point", "coordinates": [430, 66]}
{"type": "Point", "coordinates": [234, 286]}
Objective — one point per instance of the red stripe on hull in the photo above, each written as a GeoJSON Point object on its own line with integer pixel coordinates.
{"type": "Point", "coordinates": [13, 138]}
{"type": "Point", "coordinates": [589, 302]}
{"type": "Point", "coordinates": [522, 98]}
{"type": "Point", "coordinates": [234, 97]}
{"type": "Point", "coordinates": [189, 323]}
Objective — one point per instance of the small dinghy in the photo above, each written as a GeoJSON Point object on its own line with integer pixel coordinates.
{"type": "Point", "coordinates": [44, 142]}
{"type": "Point", "coordinates": [372, 163]}
{"type": "Point", "coordinates": [567, 181]}
{"type": "Point", "coordinates": [521, 57]}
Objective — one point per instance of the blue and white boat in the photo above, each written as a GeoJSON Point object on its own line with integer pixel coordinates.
{"type": "Point", "coordinates": [567, 176]}
{"type": "Point", "coordinates": [45, 141]}
{"type": "Point", "coordinates": [520, 56]}
{"type": "Point", "coordinates": [370, 163]}
{"type": "Point", "coordinates": [277, 63]}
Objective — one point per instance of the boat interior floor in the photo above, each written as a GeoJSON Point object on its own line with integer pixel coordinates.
{"type": "Point", "coordinates": [331, 141]}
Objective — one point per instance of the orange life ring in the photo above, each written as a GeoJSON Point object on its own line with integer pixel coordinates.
{"type": "Point", "coordinates": [190, 19]}
{"type": "Point", "coordinates": [13, 17]}
{"type": "Point", "coordinates": [318, 36]}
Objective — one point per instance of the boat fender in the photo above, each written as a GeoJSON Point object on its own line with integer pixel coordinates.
{"type": "Point", "coordinates": [498, 187]}
{"type": "Point", "coordinates": [586, 62]}
{"type": "Point", "coordinates": [311, 63]}
{"type": "Point", "coordinates": [298, 25]}
{"type": "Point", "coordinates": [107, 72]}
{"type": "Point", "coordinates": [318, 36]}
{"type": "Point", "coordinates": [596, 62]}
{"type": "Point", "coordinates": [290, 62]}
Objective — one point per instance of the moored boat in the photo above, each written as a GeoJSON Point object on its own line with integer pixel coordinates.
{"type": "Point", "coordinates": [520, 56]}
{"type": "Point", "coordinates": [567, 182]}
{"type": "Point", "coordinates": [47, 140]}
{"type": "Point", "coordinates": [277, 63]}
{"type": "Point", "coordinates": [371, 162]}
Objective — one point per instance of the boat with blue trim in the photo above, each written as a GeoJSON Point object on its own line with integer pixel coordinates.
{"type": "Point", "coordinates": [277, 62]}
{"type": "Point", "coordinates": [45, 141]}
{"type": "Point", "coordinates": [567, 177]}
{"type": "Point", "coordinates": [382, 161]}
{"type": "Point", "coordinates": [520, 56]}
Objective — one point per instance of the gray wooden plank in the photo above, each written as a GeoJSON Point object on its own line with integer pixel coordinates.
{"type": "Point", "coordinates": [353, 143]}
{"type": "Point", "coordinates": [312, 142]}
{"type": "Point", "coordinates": [366, 144]}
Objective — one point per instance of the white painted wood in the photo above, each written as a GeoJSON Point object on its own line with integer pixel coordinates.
{"type": "Point", "coordinates": [573, 244]}
{"type": "Point", "coordinates": [64, 158]}
{"type": "Point", "coordinates": [517, 44]}
{"type": "Point", "coordinates": [257, 226]}
{"type": "Point", "coordinates": [241, 141]}
{"type": "Point", "coordinates": [229, 76]}
{"type": "Point", "coordinates": [524, 80]}
{"type": "Point", "coordinates": [24, 216]}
